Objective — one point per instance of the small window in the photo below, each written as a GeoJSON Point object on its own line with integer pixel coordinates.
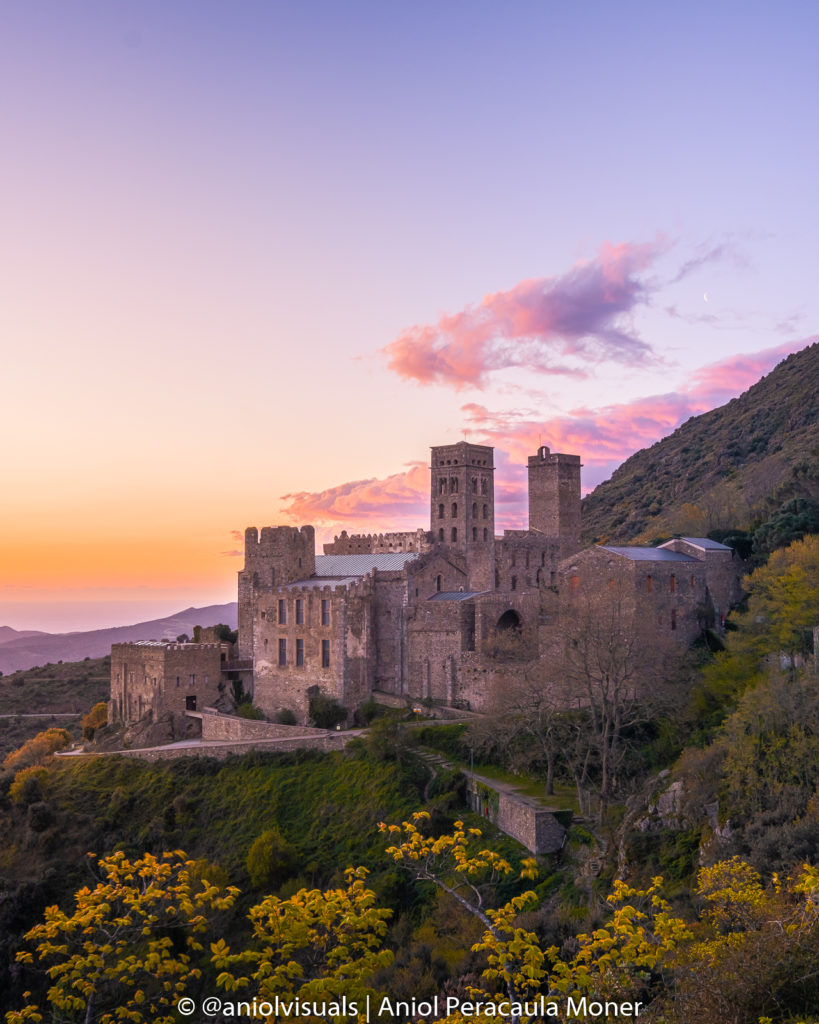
{"type": "Point", "coordinates": [441, 511]}
{"type": "Point", "coordinates": [454, 509]}
{"type": "Point", "coordinates": [192, 679]}
{"type": "Point", "coordinates": [454, 534]}
{"type": "Point", "coordinates": [693, 583]}
{"type": "Point", "coordinates": [484, 512]}
{"type": "Point", "coordinates": [673, 618]}
{"type": "Point", "coordinates": [442, 485]}
{"type": "Point", "coordinates": [453, 485]}
{"type": "Point", "coordinates": [178, 681]}
{"type": "Point", "coordinates": [514, 559]}
{"type": "Point", "coordinates": [325, 611]}
{"type": "Point", "coordinates": [484, 489]}
{"type": "Point", "coordinates": [282, 651]}
{"type": "Point", "coordinates": [497, 579]}
{"type": "Point", "coordinates": [672, 583]}
{"type": "Point", "coordinates": [474, 533]}
{"type": "Point", "coordinates": [438, 584]}
{"type": "Point", "coordinates": [441, 534]}
{"type": "Point", "coordinates": [474, 485]}
{"type": "Point", "coordinates": [485, 533]}
{"type": "Point", "coordinates": [325, 653]}
{"type": "Point", "coordinates": [299, 612]}
{"type": "Point", "coordinates": [300, 653]}
{"type": "Point", "coordinates": [282, 613]}
{"type": "Point", "coordinates": [649, 584]}
{"type": "Point", "coordinates": [514, 583]}
{"type": "Point", "coordinates": [474, 510]}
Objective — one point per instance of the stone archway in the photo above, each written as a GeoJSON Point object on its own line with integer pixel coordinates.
{"type": "Point", "coordinates": [509, 620]}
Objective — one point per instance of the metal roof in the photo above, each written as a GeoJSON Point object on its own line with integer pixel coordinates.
{"type": "Point", "coordinates": [706, 543]}
{"type": "Point", "coordinates": [360, 565]}
{"type": "Point", "coordinates": [649, 554]}
{"type": "Point", "coordinates": [456, 595]}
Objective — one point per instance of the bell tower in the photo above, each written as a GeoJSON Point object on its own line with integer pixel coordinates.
{"type": "Point", "coordinates": [462, 507]}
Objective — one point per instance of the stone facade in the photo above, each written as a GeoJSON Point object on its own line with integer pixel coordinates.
{"type": "Point", "coordinates": [151, 677]}
{"type": "Point", "coordinates": [447, 615]}
{"type": "Point", "coordinates": [451, 615]}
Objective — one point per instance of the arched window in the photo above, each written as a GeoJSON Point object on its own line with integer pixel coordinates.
{"type": "Point", "coordinates": [441, 511]}
{"type": "Point", "coordinates": [474, 533]}
{"type": "Point", "coordinates": [454, 534]}
{"type": "Point", "coordinates": [509, 620]}
{"type": "Point", "coordinates": [484, 512]}
{"type": "Point", "coordinates": [485, 533]}
{"type": "Point", "coordinates": [474, 510]}
{"type": "Point", "coordinates": [442, 485]}
{"type": "Point", "coordinates": [514, 583]}
{"type": "Point", "coordinates": [441, 534]}
{"type": "Point", "coordinates": [474, 485]}
{"type": "Point", "coordinates": [453, 485]}
{"type": "Point", "coordinates": [454, 509]}
{"type": "Point", "coordinates": [438, 584]}
{"type": "Point", "coordinates": [483, 486]}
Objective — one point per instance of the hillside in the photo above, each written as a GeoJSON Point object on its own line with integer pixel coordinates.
{"type": "Point", "coordinates": [727, 468]}
{"type": "Point", "coordinates": [28, 649]}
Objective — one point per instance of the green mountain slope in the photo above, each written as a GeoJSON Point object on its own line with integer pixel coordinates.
{"type": "Point", "coordinates": [727, 468]}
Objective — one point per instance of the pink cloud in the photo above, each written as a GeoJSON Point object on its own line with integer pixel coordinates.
{"type": "Point", "coordinates": [606, 436]}
{"type": "Point", "coordinates": [400, 498]}
{"type": "Point", "coordinates": [548, 324]}
{"type": "Point", "coordinates": [603, 437]}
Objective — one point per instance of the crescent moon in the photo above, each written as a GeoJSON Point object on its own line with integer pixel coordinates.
{"type": "Point", "coordinates": [705, 296]}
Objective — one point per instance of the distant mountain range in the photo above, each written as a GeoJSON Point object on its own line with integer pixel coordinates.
{"type": "Point", "coordinates": [728, 468]}
{"type": "Point", "coordinates": [25, 648]}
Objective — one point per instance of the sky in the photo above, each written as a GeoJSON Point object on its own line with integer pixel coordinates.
{"type": "Point", "coordinates": [256, 258]}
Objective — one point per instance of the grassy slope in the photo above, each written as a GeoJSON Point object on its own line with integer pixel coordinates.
{"type": "Point", "coordinates": [728, 467]}
{"type": "Point", "coordinates": [50, 689]}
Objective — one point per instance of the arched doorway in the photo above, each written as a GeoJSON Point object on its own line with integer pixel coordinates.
{"type": "Point", "coordinates": [509, 620]}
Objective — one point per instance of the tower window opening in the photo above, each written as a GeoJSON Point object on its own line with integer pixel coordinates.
{"type": "Point", "coordinates": [454, 509]}
{"type": "Point", "coordinates": [438, 584]}
{"type": "Point", "coordinates": [474, 533]}
{"type": "Point", "coordinates": [441, 534]}
{"type": "Point", "coordinates": [441, 511]}
{"type": "Point", "coordinates": [484, 512]}
{"type": "Point", "coordinates": [474, 510]}
{"type": "Point", "coordinates": [485, 533]}
{"type": "Point", "coordinates": [454, 534]}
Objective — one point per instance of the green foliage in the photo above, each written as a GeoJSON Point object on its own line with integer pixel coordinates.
{"type": "Point", "coordinates": [249, 710]}
{"type": "Point", "coordinates": [791, 522]}
{"type": "Point", "coordinates": [271, 860]}
{"type": "Point", "coordinates": [285, 716]}
{"type": "Point", "coordinates": [326, 712]}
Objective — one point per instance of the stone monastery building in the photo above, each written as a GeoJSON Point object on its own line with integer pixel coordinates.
{"type": "Point", "coordinates": [445, 615]}
{"type": "Point", "coordinates": [432, 615]}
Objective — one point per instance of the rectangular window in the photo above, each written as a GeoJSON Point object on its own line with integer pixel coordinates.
{"type": "Point", "coordinates": [299, 612]}
{"type": "Point", "coordinates": [192, 679]}
{"type": "Point", "coordinates": [282, 613]}
{"type": "Point", "coordinates": [325, 653]}
{"type": "Point", "coordinates": [325, 611]}
{"type": "Point", "coordinates": [300, 653]}
{"type": "Point", "coordinates": [649, 584]}
{"type": "Point", "coordinates": [178, 681]}
{"type": "Point", "coordinates": [672, 583]}
{"type": "Point", "coordinates": [282, 651]}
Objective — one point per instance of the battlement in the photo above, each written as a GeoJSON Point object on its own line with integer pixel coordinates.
{"type": "Point", "coordinates": [378, 543]}
{"type": "Point", "coordinates": [544, 454]}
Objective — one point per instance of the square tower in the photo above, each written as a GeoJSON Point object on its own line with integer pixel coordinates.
{"type": "Point", "coordinates": [554, 497]}
{"type": "Point", "coordinates": [462, 507]}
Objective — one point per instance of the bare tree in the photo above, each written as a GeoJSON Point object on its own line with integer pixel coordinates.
{"type": "Point", "coordinates": [616, 673]}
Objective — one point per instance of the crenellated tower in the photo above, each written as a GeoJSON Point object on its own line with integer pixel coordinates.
{"type": "Point", "coordinates": [462, 507]}
{"type": "Point", "coordinates": [279, 555]}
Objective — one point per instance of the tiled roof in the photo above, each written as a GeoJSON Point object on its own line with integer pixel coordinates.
{"type": "Point", "coordinates": [649, 554]}
{"type": "Point", "coordinates": [455, 595]}
{"type": "Point", "coordinates": [359, 565]}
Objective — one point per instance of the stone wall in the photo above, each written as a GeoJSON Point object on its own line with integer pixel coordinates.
{"type": "Point", "coordinates": [155, 677]}
{"type": "Point", "coordinates": [224, 728]}
{"type": "Point", "coordinates": [554, 497]}
{"type": "Point", "coordinates": [518, 816]}
{"type": "Point", "coordinates": [378, 543]}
